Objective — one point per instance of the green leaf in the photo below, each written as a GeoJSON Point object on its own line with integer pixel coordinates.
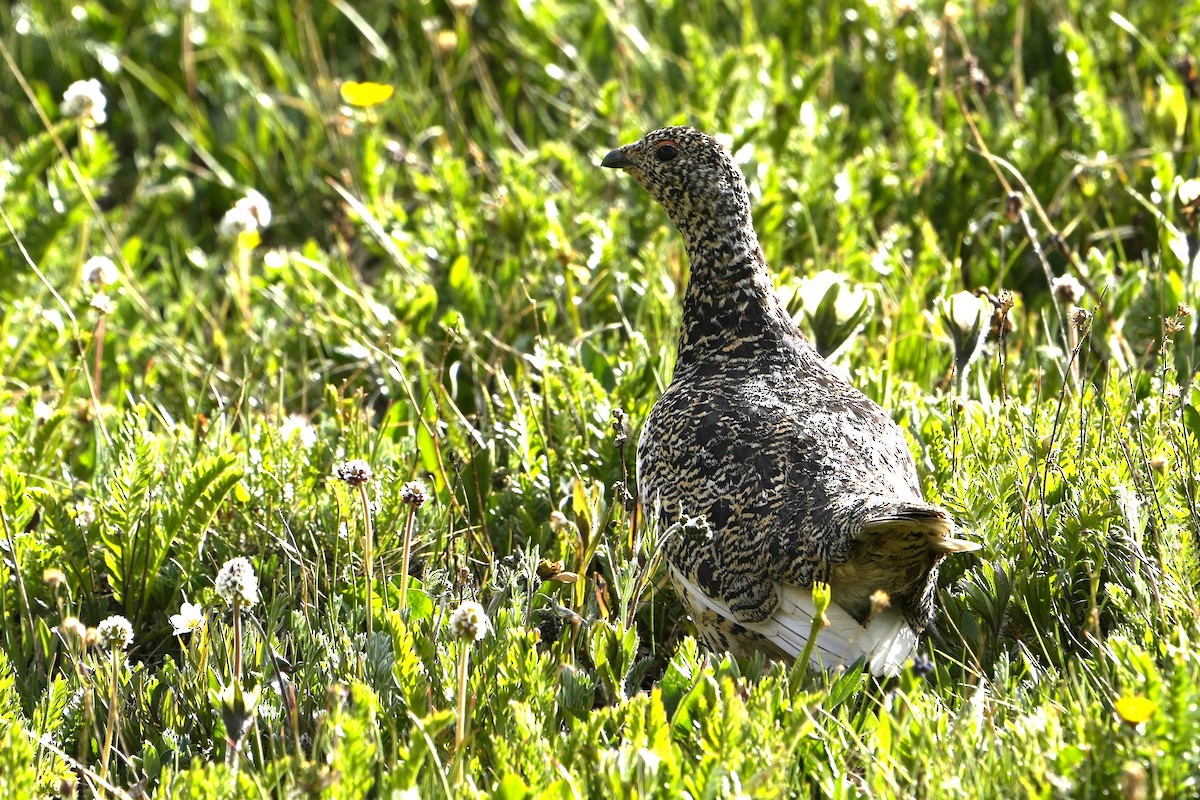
{"type": "Point", "coordinates": [511, 787]}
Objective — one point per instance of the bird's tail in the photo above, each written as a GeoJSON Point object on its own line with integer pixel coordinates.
{"type": "Point", "coordinates": [897, 516]}
{"type": "Point", "coordinates": [886, 642]}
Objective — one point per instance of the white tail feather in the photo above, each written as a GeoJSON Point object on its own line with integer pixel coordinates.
{"type": "Point", "coordinates": [886, 643]}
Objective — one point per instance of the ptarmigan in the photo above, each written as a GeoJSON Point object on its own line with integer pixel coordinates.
{"type": "Point", "coordinates": [800, 477]}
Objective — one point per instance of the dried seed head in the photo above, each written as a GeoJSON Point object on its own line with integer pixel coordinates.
{"type": "Point", "coordinates": [71, 626]}
{"type": "Point", "coordinates": [1012, 206]}
{"type": "Point", "coordinates": [446, 41]}
{"type": "Point", "coordinates": [54, 578]}
{"type": "Point", "coordinates": [1133, 781]}
{"type": "Point", "coordinates": [978, 78]}
{"type": "Point", "coordinates": [620, 429]}
{"type": "Point", "coordinates": [1081, 320]}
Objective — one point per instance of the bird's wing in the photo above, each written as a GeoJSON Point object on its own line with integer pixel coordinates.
{"type": "Point", "coordinates": [885, 643]}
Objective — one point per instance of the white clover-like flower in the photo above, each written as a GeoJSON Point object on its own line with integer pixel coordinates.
{"type": "Point", "coordinates": [237, 220]}
{"type": "Point", "coordinates": [1188, 192]}
{"type": "Point", "coordinates": [275, 259]}
{"type": "Point", "coordinates": [85, 99]}
{"type": "Point", "coordinates": [72, 627]}
{"type": "Point", "coordinates": [85, 513]}
{"type": "Point", "coordinates": [355, 472]}
{"type": "Point", "coordinates": [189, 619]}
{"type": "Point", "coordinates": [258, 207]}
{"type": "Point", "coordinates": [1067, 289]}
{"type": "Point", "coordinates": [8, 170]}
{"type": "Point", "coordinates": [248, 215]}
{"type": "Point", "coordinates": [237, 582]}
{"type": "Point", "coordinates": [115, 633]}
{"type": "Point", "coordinates": [100, 271]}
{"type": "Point", "coordinates": [469, 621]}
{"type": "Point", "coordinates": [42, 411]}
{"type": "Point", "coordinates": [297, 426]}
{"type": "Point", "coordinates": [413, 494]}
{"type": "Point", "coordinates": [102, 303]}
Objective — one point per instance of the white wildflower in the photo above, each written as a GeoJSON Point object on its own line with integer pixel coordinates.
{"type": "Point", "coordinates": [1067, 289]}
{"type": "Point", "coordinates": [115, 633]}
{"type": "Point", "coordinates": [413, 494]}
{"type": "Point", "coordinates": [85, 513]}
{"type": "Point", "coordinates": [297, 426]}
{"type": "Point", "coordinates": [102, 303]}
{"type": "Point", "coordinates": [258, 207]}
{"type": "Point", "coordinates": [8, 171]}
{"type": "Point", "coordinates": [355, 472]}
{"type": "Point", "coordinates": [237, 220]}
{"type": "Point", "coordinates": [85, 99]}
{"type": "Point", "coordinates": [100, 271]}
{"type": "Point", "coordinates": [189, 619]}
{"type": "Point", "coordinates": [237, 582]}
{"type": "Point", "coordinates": [248, 215]}
{"type": "Point", "coordinates": [469, 621]}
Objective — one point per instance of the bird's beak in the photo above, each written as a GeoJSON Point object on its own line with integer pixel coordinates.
{"type": "Point", "coordinates": [616, 159]}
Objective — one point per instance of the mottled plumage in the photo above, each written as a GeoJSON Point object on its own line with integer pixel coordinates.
{"type": "Point", "coordinates": [799, 475]}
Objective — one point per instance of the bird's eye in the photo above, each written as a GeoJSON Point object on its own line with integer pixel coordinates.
{"type": "Point", "coordinates": [666, 151]}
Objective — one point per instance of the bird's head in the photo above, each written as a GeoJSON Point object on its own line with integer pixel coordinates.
{"type": "Point", "coordinates": [691, 176]}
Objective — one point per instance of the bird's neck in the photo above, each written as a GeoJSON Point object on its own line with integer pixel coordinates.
{"type": "Point", "coordinates": [730, 310]}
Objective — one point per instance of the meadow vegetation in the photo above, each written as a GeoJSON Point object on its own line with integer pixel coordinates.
{"type": "Point", "coordinates": [986, 215]}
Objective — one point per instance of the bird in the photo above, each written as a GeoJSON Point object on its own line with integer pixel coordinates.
{"type": "Point", "coordinates": [766, 471]}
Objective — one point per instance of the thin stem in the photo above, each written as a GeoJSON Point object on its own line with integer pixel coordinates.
{"type": "Point", "coordinates": [243, 273]}
{"type": "Point", "coordinates": [368, 553]}
{"type": "Point", "coordinates": [100, 325]}
{"type": "Point", "coordinates": [237, 639]}
{"type": "Point", "coordinates": [408, 531]}
{"type": "Point", "coordinates": [89, 718]}
{"type": "Point", "coordinates": [112, 715]}
{"type": "Point", "coordinates": [460, 731]}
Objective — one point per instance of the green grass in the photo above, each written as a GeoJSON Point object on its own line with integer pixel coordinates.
{"type": "Point", "coordinates": [451, 289]}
